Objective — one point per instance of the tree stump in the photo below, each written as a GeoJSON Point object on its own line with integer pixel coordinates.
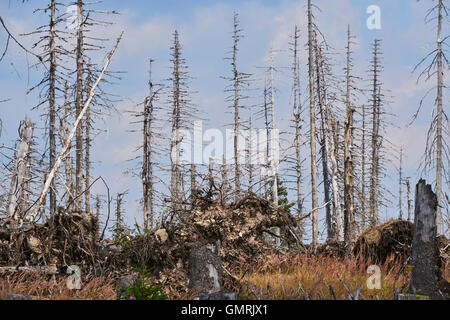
{"type": "Point", "coordinates": [424, 241]}
{"type": "Point", "coordinates": [205, 269]}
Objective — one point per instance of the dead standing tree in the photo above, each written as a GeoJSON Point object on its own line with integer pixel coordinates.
{"type": "Point", "coordinates": [147, 165]}
{"type": "Point", "coordinates": [424, 241]}
{"type": "Point", "coordinates": [375, 143]}
{"type": "Point", "coordinates": [183, 112]}
{"type": "Point", "coordinates": [312, 133]}
{"type": "Point", "coordinates": [297, 123]}
{"type": "Point", "coordinates": [33, 215]}
{"type": "Point", "coordinates": [330, 146]}
{"type": "Point", "coordinates": [79, 105]}
{"type": "Point", "coordinates": [326, 169]}
{"type": "Point", "coordinates": [87, 42]}
{"type": "Point", "coordinates": [238, 82]}
{"type": "Point", "coordinates": [349, 203]}
{"type": "Point", "coordinates": [18, 191]}
{"type": "Point", "coordinates": [436, 147]}
{"type": "Point", "coordinates": [54, 56]}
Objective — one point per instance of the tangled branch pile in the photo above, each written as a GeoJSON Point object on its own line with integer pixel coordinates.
{"type": "Point", "coordinates": [63, 240]}
{"type": "Point", "coordinates": [240, 231]}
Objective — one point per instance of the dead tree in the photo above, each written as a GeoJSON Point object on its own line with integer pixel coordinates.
{"type": "Point", "coordinates": [324, 139]}
{"type": "Point", "coordinates": [176, 122]}
{"type": "Point", "coordinates": [274, 149]}
{"type": "Point", "coordinates": [52, 108]}
{"type": "Point", "coordinates": [147, 165]}
{"type": "Point", "coordinates": [400, 184]}
{"type": "Point", "coordinates": [297, 112]}
{"type": "Point", "coordinates": [224, 185]}
{"type": "Point", "coordinates": [423, 251]}
{"type": "Point", "coordinates": [87, 151]}
{"type": "Point", "coordinates": [86, 68]}
{"type": "Point", "coordinates": [375, 143]}
{"type": "Point", "coordinates": [408, 196]}
{"type": "Point", "coordinates": [349, 205]}
{"type": "Point", "coordinates": [363, 181]}
{"type": "Point", "coordinates": [436, 148]}
{"type": "Point", "coordinates": [21, 171]}
{"type": "Point", "coordinates": [67, 143]}
{"type": "Point", "coordinates": [149, 127]}
{"type": "Point", "coordinates": [236, 76]}
{"type": "Point", "coordinates": [119, 225]}
{"type": "Point", "coordinates": [78, 106]}
{"type": "Point", "coordinates": [312, 133]}
{"type": "Point", "coordinates": [251, 139]}
{"type": "Point", "coordinates": [63, 133]}
{"type": "Point", "coordinates": [54, 56]}
{"type": "Point", "coordinates": [238, 83]}
{"type": "Point", "coordinates": [182, 114]}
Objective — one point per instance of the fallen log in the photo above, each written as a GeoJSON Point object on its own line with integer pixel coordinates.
{"type": "Point", "coordinates": [44, 270]}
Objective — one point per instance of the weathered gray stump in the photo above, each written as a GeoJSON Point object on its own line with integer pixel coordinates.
{"type": "Point", "coordinates": [424, 241]}
{"type": "Point", "coordinates": [205, 269]}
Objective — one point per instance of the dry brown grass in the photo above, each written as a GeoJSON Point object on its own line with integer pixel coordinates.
{"type": "Point", "coordinates": [302, 277]}
{"type": "Point", "coordinates": [49, 288]}
{"type": "Point", "coordinates": [283, 274]}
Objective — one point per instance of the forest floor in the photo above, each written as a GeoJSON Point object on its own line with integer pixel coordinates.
{"type": "Point", "coordinates": [279, 277]}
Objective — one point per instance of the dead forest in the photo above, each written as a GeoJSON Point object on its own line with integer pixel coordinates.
{"type": "Point", "coordinates": [300, 218]}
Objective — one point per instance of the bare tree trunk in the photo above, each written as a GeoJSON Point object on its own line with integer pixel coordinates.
{"type": "Point", "coordinates": [193, 182]}
{"type": "Point", "coordinates": [224, 188]}
{"type": "Point", "coordinates": [79, 104]}
{"type": "Point", "coordinates": [211, 173]}
{"type": "Point", "coordinates": [251, 153]}
{"type": "Point", "coordinates": [20, 170]}
{"type": "Point", "coordinates": [274, 150]}
{"type": "Point", "coordinates": [337, 214]}
{"type": "Point", "coordinates": [298, 127]}
{"type": "Point", "coordinates": [267, 148]}
{"type": "Point", "coordinates": [400, 185]}
{"type": "Point", "coordinates": [87, 155]}
{"type": "Point", "coordinates": [175, 142]}
{"type": "Point", "coordinates": [423, 252]}
{"type": "Point", "coordinates": [237, 173]}
{"type": "Point", "coordinates": [69, 139]}
{"type": "Point", "coordinates": [119, 199]}
{"type": "Point", "coordinates": [324, 143]}
{"type": "Point", "coordinates": [274, 157]}
{"type": "Point", "coordinates": [349, 220]}
{"type": "Point", "coordinates": [375, 139]}
{"type": "Point", "coordinates": [312, 114]}
{"type": "Point", "coordinates": [363, 169]}
{"type": "Point", "coordinates": [52, 109]}
{"type": "Point", "coordinates": [408, 194]}
{"type": "Point", "coordinates": [147, 167]}
{"type": "Point", "coordinates": [68, 170]}
{"type": "Point", "coordinates": [439, 145]}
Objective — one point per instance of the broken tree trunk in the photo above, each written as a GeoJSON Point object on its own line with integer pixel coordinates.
{"type": "Point", "coordinates": [64, 150]}
{"type": "Point", "coordinates": [424, 241]}
{"type": "Point", "coordinates": [205, 269]}
{"type": "Point", "coordinates": [20, 170]}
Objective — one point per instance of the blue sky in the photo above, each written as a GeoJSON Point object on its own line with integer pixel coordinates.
{"type": "Point", "coordinates": [205, 33]}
